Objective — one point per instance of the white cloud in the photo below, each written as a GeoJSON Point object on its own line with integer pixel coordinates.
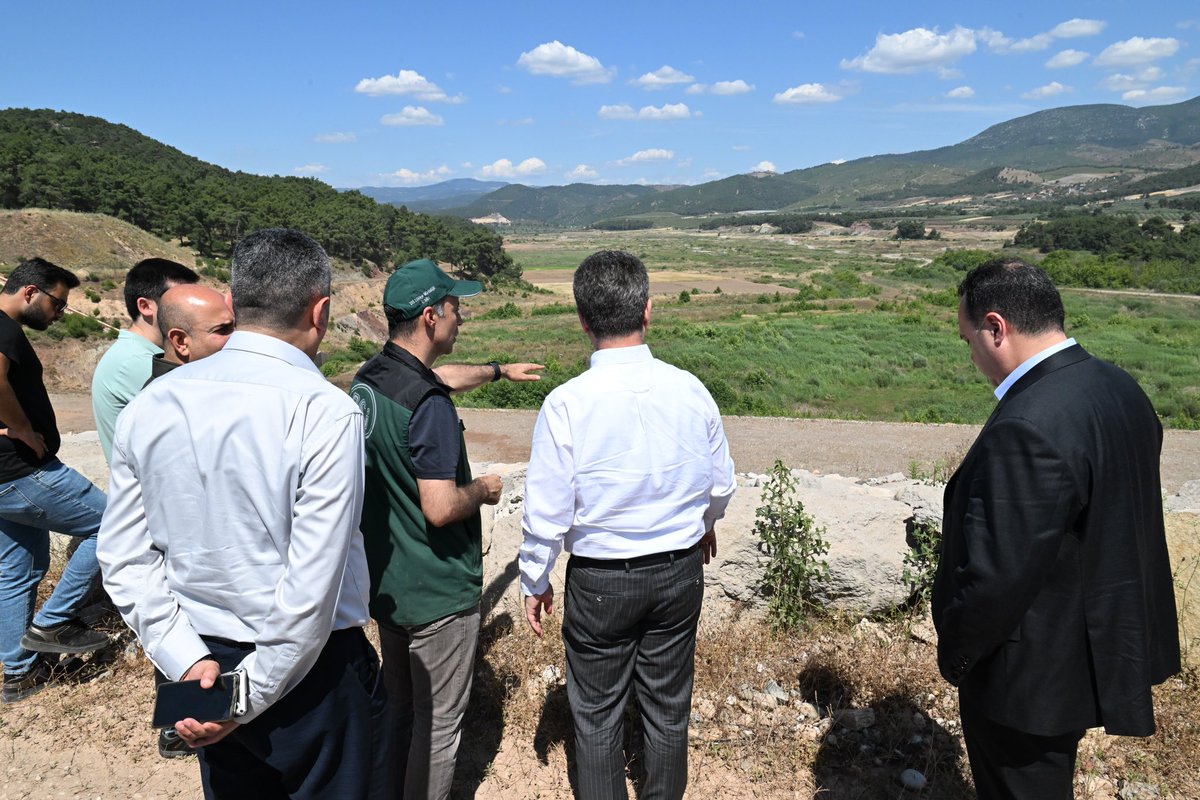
{"type": "Point", "coordinates": [764, 166]}
{"type": "Point", "coordinates": [696, 88]}
{"type": "Point", "coordinates": [408, 177]}
{"type": "Point", "coordinates": [503, 168]}
{"type": "Point", "coordinates": [1077, 27]}
{"type": "Point", "coordinates": [1136, 50]}
{"type": "Point", "coordinates": [412, 116]}
{"type": "Point", "coordinates": [732, 87]}
{"type": "Point", "coordinates": [961, 93]}
{"type": "Point", "coordinates": [797, 34]}
{"type": "Point", "coordinates": [838, 161]}
{"type": "Point", "coordinates": [997, 42]}
{"type": "Point", "coordinates": [653, 154]}
{"type": "Point", "coordinates": [517, 122]}
{"type": "Point", "coordinates": [1052, 89]}
{"type": "Point", "coordinates": [949, 73]}
{"type": "Point", "coordinates": [742, 148]}
{"type": "Point", "coordinates": [406, 81]}
{"type": "Point", "coordinates": [662, 77]}
{"type": "Point", "coordinates": [335, 138]}
{"type": "Point", "coordinates": [1156, 95]}
{"type": "Point", "coordinates": [1137, 79]}
{"type": "Point", "coordinates": [621, 111]}
{"type": "Point", "coordinates": [311, 169]}
{"type": "Point", "coordinates": [559, 60]}
{"type": "Point", "coordinates": [807, 93]}
{"type": "Point", "coordinates": [913, 50]}
{"type": "Point", "coordinates": [581, 173]}
{"type": "Point", "coordinates": [1067, 58]}
{"type": "Point", "coordinates": [667, 111]}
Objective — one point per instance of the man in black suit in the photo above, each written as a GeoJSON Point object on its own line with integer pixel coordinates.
{"type": "Point", "coordinates": [1053, 599]}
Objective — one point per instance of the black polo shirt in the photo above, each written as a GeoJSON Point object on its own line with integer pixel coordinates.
{"type": "Point", "coordinates": [17, 459]}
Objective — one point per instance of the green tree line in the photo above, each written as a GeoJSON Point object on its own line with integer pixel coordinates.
{"type": "Point", "coordinates": [73, 162]}
{"type": "Point", "coordinates": [1107, 251]}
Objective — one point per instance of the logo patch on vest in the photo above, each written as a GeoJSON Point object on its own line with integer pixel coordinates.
{"type": "Point", "coordinates": [365, 398]}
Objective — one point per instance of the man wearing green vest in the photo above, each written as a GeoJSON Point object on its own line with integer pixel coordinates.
{"type": "Point", "coordinates": [420, 521]}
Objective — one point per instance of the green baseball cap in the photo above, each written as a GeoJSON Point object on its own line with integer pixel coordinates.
{"type": "Point", "coordinates": [422, 283]}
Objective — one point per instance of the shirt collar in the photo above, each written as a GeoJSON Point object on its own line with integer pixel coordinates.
{"type": "Point", "coordinates": [262, 344]}
{"type": "Point", "coordinates": [1029, 364]}
{"type": "Point", "coordinates": [621, 355]}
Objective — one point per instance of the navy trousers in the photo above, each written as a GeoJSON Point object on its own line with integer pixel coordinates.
{"type": "Point", "coordinates": [326, 738]}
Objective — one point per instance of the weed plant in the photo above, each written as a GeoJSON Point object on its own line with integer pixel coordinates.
{"type": "Point", "coordinates": [796, 548]}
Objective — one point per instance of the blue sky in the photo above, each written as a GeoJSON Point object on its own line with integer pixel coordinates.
{"type": "Point", "coordinates": [551, 93]}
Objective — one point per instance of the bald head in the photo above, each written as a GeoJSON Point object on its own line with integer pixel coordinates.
{"type": "Point", "coordinates": [195, 322]}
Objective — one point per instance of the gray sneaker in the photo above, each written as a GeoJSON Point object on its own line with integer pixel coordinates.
{"type": "Point", "coordinates": [171, 746]}
{"type": "Point", "coordinates": [27, 684]}
{"type": "Point", "coordinates": [71, 636]}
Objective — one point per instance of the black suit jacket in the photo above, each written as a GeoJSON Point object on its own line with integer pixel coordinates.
{"type": "Point", "coordinates": [1053, 598]}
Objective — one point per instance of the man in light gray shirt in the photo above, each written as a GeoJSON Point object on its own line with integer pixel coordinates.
{"type": "Point", "coordinates": [231, 540]}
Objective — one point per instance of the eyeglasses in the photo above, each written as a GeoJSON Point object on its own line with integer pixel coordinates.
{"type": "Point", "coordinates": [58, 302]}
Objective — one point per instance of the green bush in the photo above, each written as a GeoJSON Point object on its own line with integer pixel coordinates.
{"type": "Point", "coordinates": [921, 562]}
{"type": "Point", "coordinates": [796, 548]}
{"type": "Point", "coordinates": [506, 311]}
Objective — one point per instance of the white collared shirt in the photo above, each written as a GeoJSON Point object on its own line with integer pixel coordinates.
{"type": "Point", "coordinates": [1027, 365]}
{"type": "Point", "coordinates": [234, 502]}
{"type": "Point", "coordinates": [629, 459]}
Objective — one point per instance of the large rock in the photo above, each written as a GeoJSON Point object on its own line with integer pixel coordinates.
{"type": "Point", "coordinates": [1186, 500]}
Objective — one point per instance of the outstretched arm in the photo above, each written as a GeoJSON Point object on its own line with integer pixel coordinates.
{"type": "Point", "coordinates": [465, 377]}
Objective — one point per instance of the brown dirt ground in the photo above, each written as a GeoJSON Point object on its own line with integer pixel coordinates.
{"type": "Point", "coordinates": [91, 739]}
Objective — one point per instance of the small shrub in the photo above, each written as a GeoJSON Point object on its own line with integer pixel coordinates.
{"type": "Point", "coordinates": [796, 548]}
{"type": "Point", "coordinates": [685, 296]}
{"type": "Point", "coordinates": [921, 562]}
{"type": "Point", "coordinates": [506, 311]}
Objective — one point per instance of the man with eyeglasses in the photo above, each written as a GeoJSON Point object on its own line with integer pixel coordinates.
{"type": "Point", "coordinates": [38, 493]}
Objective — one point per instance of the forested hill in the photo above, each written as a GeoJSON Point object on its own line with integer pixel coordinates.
{"type": "Point", "coordinates": [60, 160]}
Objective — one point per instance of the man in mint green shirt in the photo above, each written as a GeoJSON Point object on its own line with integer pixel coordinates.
{"type": "Point", "coordinates": [125, 367]}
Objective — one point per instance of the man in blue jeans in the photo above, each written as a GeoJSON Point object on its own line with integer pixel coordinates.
{"type": "Point", "coordinates": [38, 493]}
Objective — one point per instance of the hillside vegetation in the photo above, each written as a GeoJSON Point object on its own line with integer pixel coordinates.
{"type": "Point", "coordinates": [72, 162]}
{"type": "Point", "coordinates": [1137, 141]}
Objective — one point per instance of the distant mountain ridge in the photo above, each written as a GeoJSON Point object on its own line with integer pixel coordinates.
{"type": "Point", "coordinates": [1155, 138]}
{"type": "Point", "coordinates": [434, 197]}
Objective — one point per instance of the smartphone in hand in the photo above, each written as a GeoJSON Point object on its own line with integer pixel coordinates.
{"type": "Point", "coordinates": [178, 700]}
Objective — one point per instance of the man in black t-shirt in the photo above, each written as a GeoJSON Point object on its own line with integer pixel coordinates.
{"type": "Point", "coordinates": [38, 493]}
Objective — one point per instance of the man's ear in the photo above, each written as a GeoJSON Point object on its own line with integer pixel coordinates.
{"type": "Point", "coordinates": [583, 324]}
{"type": "Point", "coordinates": [320, 314]}
{"type": "Point", "coordinates": [147, 308]}
{"type": "Point", "coordinates": [646, 313]}
{"type": "Point", "coordinates": [996, 326]}
{"type": "Point", "coordinates": [180, 342]}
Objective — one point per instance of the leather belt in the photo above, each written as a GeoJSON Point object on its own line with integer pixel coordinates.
{"type": "Point", "coordinates": [632, 563]}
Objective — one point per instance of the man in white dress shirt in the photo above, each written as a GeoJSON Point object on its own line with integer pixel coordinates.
{"type": "Point", "coordinates": [631, 470]}
{"type": "Point", "coordinates": [231, 540]}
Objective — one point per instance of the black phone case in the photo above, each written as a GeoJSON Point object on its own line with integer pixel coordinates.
{"type": "Point", "coordinates": [178, 700]}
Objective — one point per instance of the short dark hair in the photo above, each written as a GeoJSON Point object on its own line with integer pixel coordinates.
{"type": "Point", "coordinates": [1021, 293]}
{"type": "Point", "coordinates": [611, 291]}
{"type": "Point", "coordinates": [401, 328]}
{"type": "Point", "coordinates": [150, 277]}
{"type": "Point", "coordinates": [40, 273]}
{"type": "Point", "coordinates": [276, 275]}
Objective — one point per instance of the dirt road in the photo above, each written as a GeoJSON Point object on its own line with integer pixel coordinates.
{"type": "Point", "coordinates": [858, 449]}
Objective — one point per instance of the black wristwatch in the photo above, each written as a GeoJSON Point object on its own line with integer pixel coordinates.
{"type": "Point", "coordinates": [495, 365]}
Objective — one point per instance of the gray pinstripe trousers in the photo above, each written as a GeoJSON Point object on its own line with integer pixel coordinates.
{"type": "Point", "coordinates": [623, 630]}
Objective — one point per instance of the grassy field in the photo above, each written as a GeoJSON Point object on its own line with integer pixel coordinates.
{"type": "Point", "coordinates": [821, 325]}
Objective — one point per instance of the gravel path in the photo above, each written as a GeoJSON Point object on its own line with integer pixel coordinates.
{"type": "Point", "coordinates": [858, 449]}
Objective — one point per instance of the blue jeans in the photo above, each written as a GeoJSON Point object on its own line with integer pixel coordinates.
{"type": "Point", "coordinates": [57, 498]}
